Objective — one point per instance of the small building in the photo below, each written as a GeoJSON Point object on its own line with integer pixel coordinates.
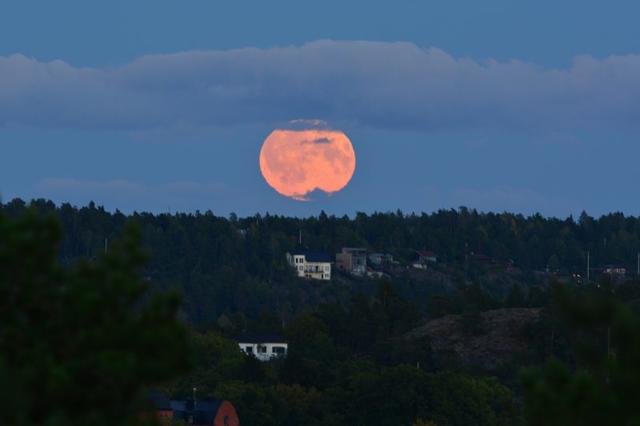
{"type": "Point", "coordinates": [615, 270]}
{"type": "Point", "coordinates": [311, 265]}
{"type": "Point", "coordinates": [380, 260]}
{"type": "Point", "coordinates": [372, 273]}
{"type": "Point", "coordinates": [425, 256]}
{"type": "Point", "coordinates": [205, 412]}
{"type": "Point", "coordinates": [352, 260]}
{"type": "Point", "coordinates": [264, 348]}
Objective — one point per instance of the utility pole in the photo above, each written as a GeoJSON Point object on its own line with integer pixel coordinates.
{"type": "Point", "coordinates": [588, 266]}
{"type": "Point", "coordinates": [106, 245]}
{"type": "Point", "coordinates": [466, 261]}
{"type": "Point", "coordinates": [608, 353]}
{"type": "Point", "coordinates": [300, 237]}
{"type": "Point", "coordinates": [195, 402]}
{"type": "Point", "coordinates": [608, 342]}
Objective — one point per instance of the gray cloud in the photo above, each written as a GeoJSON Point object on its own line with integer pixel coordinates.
{"type": "Point", "coordinates": [387, 85]}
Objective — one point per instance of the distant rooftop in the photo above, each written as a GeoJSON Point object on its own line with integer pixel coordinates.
{"type": "Point", "coordinates": [312, 256]}
{"type": "Point", "coordinates": [353, 249]}
{"type": "Point", "coordinates": [202, 411]}
{"type": "Point", "coordinates": [261, 338]}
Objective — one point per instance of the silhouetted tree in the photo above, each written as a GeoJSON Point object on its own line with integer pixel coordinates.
{"type": "Point", "coordinates": [80, 344]}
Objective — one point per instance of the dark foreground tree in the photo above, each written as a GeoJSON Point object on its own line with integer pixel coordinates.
{"type": "Point", "coordinates": [79, 345]}
{"type": "Point", "coordinates": [602, 388]}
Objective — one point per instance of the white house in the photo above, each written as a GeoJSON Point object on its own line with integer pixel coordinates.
{"type": "Point", "coordinates": [310, 265]}
{"type": "Point", "coordinates": [615, 270]}
{"type": "Point", "coordinates": [263, 348]}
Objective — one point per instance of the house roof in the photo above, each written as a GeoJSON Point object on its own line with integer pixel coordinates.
{"type": "Point", "coordinates": [261, 338]}
{"type": "Point", "coordinates": [356, 250]}
{"type": "Point", "coordinates": [312, 256]}
{"type": "Point", "coordinates": [203, 411]}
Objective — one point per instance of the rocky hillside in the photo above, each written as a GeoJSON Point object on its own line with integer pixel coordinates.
{"type": "Point", "coordinates": [484, 340]}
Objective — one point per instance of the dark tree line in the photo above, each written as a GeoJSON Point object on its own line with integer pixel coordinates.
{"type": "Point", "coordinates": [236, 266]}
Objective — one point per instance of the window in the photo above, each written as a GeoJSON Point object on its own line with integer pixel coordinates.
{"type": "Point", "coordinates": [248, 350]}
{"type": "Point", "coordinates": [262, 349]}
{"type": "Point", "coordinates": [278, 350]}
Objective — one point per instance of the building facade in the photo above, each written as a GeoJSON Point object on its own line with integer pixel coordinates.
{"type": "Point", "coordinates": [379, 260]}
{"type": "Point", "coordinates": [352, 260]}
{"type": "Point", "coordinates": [205, 412]}
{"type": "Point", "coordinates": [315, 266]}
{"type": "Point", "coordinates": [615, 270]}
{"type": "Point", "coordinates": [423, 258]}
{"type": "Point", "coordinates": [264, 348]}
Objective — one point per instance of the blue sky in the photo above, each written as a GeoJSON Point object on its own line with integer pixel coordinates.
{"type": "Point", "coordinates": [163, 105]}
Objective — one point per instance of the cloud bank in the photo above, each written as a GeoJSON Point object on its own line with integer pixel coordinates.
{"type": "Point", "coordinates": [384, 85]}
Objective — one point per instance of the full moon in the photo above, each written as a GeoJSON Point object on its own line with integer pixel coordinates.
{"type": "Point", "coordinates": [298, 162]}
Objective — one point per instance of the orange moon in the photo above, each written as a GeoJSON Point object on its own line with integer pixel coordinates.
{"type": "Point", "coordinates": [298, 162]}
